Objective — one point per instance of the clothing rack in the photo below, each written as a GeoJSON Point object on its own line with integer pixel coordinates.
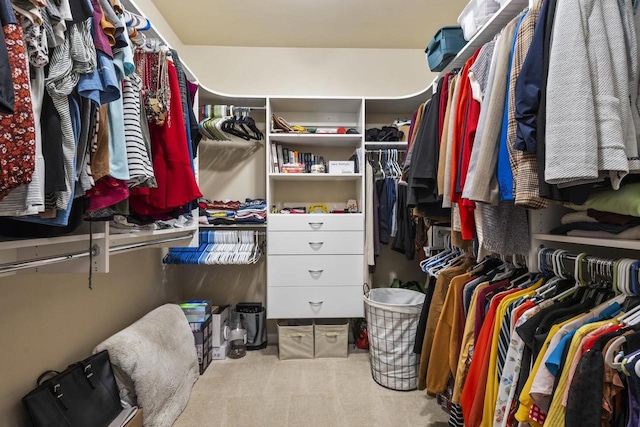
{"type": "Point", "coordinates": [11, 267]}
{"type": "Point", "coordinates": [149, 243]}
{"type": "Point", "coordinates": [228, 247]}
{"type": "Point", "coordinates": [590, 268]}
{"type": "Point", "coordinates": [39, 262]}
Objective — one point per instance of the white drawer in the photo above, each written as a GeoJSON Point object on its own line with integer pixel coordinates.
{"type": "Point", "coordinates": [315, 243]}
{"type": "Point", "coordinates": [315, 302]}
{"type": "Point", "coordinates": [315, 222]}
{"type": "Point", "coordinates": [315, 270]}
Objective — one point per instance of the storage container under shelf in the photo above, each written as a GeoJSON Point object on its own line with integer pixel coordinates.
{"type": "Point", "coordinates": [331, 338]}
{"type": "Point", "coordinates": [295, 339]}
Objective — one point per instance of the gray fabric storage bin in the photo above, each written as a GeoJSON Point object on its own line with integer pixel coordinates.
{"type": "Point", "coordinates": [295, 339]}
{"type": "Point", "coordinates": [331, 338]}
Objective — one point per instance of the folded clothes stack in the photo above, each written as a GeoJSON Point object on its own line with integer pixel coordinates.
{"type": "Point", "coordinates": [607, 214]}
{"type": "Point", "coordinates": [251, 211]}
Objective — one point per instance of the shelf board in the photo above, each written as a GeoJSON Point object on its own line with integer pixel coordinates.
{"type": "Point", "coordinates": [315, 176]}
{"type": "Point", "coordinates": [322, 139]}
{"type": "Point", "coordinates": [231, 226]}
{"type": "Point", "coordinates": [506, 13]}
{"type": "Point", "coordinates": [122, 239]}
{"type": "Point", "coordinates": [233, 143]}
{"type": "Point", "coordinates": [403, 106]}
{"type": "Point", "coordinates": [314, 105]}
{"type": "Point", "coordinates": [383, 145]}
{"type": "Point", "coordinates": [29, 243]}
{"type": "Point", "coordinates": [589, 241]}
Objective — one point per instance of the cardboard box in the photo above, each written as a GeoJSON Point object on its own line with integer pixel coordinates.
{"type": "Point", "coordinates": [346, 166]}
{"type": "Point", "coordinates": [218, 322]}
{"type": "Point", "coordinates": [136, 421]}
{"type": "Point", "coordinates": [220, 353]}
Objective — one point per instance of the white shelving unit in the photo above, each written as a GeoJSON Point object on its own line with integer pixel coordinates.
{"type": "Point", "coordinates": [315, 262]}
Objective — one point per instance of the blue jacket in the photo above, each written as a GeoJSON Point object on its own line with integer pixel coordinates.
{"type": "Point", "coordinates": [528, 87]}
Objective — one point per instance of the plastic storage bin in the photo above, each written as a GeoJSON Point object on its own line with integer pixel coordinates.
{"type": "Point", "coordinates": [392, 321]}
{"type": "Point", "coordinates": [201, 329]}
{"type": "Point", "coordinates": [475, 15]}
{"type": "Point", "coordinates": [331, 338]}
{"type": "Point", "coordinates": [295, 339]}
{"type": "Point", "coordinates": [444, 46]}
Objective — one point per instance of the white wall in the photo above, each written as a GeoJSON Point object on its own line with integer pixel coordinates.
{"type": "Point", "coordinates": [309, 72]}
{"type": "Point", "coordinates": [48, 321]}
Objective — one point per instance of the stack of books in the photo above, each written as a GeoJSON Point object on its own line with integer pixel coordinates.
{"type": "Point", "coordinates": [282, 156]}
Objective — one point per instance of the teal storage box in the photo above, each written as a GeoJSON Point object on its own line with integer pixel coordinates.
{"type": "Point", "coordinates": [444, 46]}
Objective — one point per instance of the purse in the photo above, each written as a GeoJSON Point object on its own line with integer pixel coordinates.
{"type": "Point", "coordinates": [83, 395]}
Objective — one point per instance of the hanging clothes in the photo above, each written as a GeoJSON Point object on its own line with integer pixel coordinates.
{"type": "Point", "coordinates": [172, 166]}
{"type": "Point", "coordinates": [18, 129]}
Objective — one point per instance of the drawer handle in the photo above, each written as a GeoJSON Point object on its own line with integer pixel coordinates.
{"type": "Point", "coordinates": [316, 245]}
{"type": "Point", "coordinates": [316, 271]}
{"type": "Point", "coordinates": [316, 303]}
{"type": "Point", "coordinates": [316, 225]}
{"type": "Point", "coordinates": [297, 335]}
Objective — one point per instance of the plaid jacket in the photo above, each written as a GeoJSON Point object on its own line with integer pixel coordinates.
{"type": "Point", "coordinates": [524, 166]}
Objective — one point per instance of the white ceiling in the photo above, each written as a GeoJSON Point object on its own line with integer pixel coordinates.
{"type": "Point", "coordinates": [401, 24]}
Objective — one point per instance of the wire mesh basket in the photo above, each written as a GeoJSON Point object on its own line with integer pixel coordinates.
{"type": "Point", "coordinates": [392, 320]}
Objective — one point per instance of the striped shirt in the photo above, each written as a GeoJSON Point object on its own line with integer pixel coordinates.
{"type": "Point", "coordinates": [138, 154]}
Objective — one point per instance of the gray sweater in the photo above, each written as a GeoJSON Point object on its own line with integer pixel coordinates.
{"type": "Point", "coordinates": [590, 130]}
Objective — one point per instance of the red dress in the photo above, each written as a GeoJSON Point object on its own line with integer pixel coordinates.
{"type": "Point", "coordinates": [171, 163]}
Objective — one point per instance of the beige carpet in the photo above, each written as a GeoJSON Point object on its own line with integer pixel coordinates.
{"type": "Point", "coordinates": [260, 390]}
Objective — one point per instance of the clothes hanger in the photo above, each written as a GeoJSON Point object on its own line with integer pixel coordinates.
{"type": "Point", "coordinates": [380, 163]}
{"type": "Point", "coordinates": [615, 361]}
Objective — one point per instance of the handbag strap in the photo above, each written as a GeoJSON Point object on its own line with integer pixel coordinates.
{"type": "Point", "coordinates": [56, 388]}
{"type": "Point", "coordinates": [88, 373]}
{"type": "Point", "coordinates": [44, 375]}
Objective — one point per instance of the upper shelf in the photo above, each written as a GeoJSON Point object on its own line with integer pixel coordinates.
{"type": "Point", "coordinates": [315, 176]}
{"type": "Point", "coordinates": [374, 145]}
{"type": "Point", "coordinates": [323, 139]}
{"type": "Point", "coordinates": [507, 12]}
{"type": "Point", "coordinates": [588, 241]}
{"type": "Point", "coordinates": [315, 105]}
{"type": "Point", "coordinates": [404, 105]}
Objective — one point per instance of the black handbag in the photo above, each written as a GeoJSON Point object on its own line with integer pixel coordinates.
{"type": "Point", "coordinates": [83, 395]}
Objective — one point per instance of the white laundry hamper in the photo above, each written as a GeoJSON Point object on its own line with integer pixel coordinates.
{"type": "Point", "coordinates": [392, 320]}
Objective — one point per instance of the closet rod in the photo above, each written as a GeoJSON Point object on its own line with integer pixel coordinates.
{"type": "Point", "coordinates": [148, 243]}
{"type": "Point", "coordinates": [255, 233]}
{"type": "Point", "coordinates": [38, 262]}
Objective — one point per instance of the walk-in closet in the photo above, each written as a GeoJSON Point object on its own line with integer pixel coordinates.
{"type": "Point", "coordinates": [320, 214]}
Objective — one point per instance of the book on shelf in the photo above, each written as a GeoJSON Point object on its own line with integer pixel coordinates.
{"type": "Point", "coordinates": [283, 156]}
{"type": "Point", "coordinates": [280, 158]}
{"type": "Point", "coordinates": [274, 159]}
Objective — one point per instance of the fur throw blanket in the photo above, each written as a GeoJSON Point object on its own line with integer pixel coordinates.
{"type": "Point", "coordinates": [155, 364]}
